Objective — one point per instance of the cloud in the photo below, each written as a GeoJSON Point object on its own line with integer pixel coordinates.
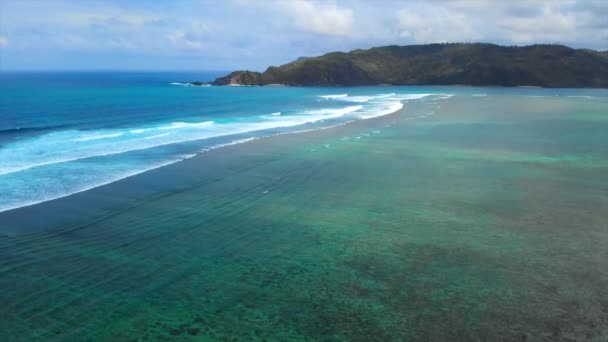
{"type": "Point", "coordinates": [327, 19]}
{"type": "Point", "coordinates": [549, 25]}
{"type": "Point", "coordinates": [190, 36]}
{"type": "Point", "coordinates": [254, 34]}
{"type": "Point", "coordinates": [109, 16]}
{"type": "Point", "coordinates": [433, 24]}
{"type": "Point", "coordinates": [578, 23]}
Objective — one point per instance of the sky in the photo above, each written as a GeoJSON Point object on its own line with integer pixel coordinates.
{"type": "Point", "coordinates": [253, 34]}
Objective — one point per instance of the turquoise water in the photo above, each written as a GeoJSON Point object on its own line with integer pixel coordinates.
{"type": "Point", "coordinates": [62, 133]}
{"type": "Point", "coordinates": [476, 216]}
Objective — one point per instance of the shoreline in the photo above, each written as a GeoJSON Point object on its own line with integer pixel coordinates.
{"type": "Point", "coordinates": [62, 210]}
{"type": "Point", "coordinates": [201, 84]}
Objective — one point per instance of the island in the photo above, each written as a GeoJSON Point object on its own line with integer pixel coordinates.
{"type": "Point", "coordinates": [475, 64]}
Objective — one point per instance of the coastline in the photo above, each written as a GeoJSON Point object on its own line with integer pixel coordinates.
{"type": "Point", "coordinates": [380, 85]}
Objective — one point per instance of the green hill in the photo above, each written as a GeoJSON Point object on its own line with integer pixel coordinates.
{"type": "Point", "coordinates": [442, 64]}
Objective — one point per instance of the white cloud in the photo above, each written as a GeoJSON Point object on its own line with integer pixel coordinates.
{"type": "Point", "coordinates": [327, 19]}
{"type": "Point", "coordinates": [255, 34]}
{"type": "Point", "coordinates": [550, 25]}
{"type": "Point", "coordinates": [434, 24]}
{"type": "Point", "coordinates": [180, 39]}
{"type": "Point", "coordinates": [107, 16]}
{"type": "Point", "coordinates": [571, 22]}
{"type": "Point", "coordinates": [191, 37]}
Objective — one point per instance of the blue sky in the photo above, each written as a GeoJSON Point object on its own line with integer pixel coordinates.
{"type": "Point", "coordinates": [253, 34]}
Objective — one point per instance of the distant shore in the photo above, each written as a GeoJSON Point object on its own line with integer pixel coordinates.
{"type": "Point", "coordinates": [479, 64]}
{"type": "Point", "coordinates": [210, 84]}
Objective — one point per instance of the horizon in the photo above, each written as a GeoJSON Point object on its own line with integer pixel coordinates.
{"type": "Point", "coordinates": [191, 35]}
{"type": "Point", "coordinates": [102, 70]}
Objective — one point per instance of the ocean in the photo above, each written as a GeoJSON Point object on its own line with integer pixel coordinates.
{"type": "Point", "coordinates": [62, 133]}
{"type": "Point", "coordinates": [356, 214]}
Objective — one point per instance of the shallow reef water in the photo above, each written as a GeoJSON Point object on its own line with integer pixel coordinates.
{"type": "Point", "coordinates": [478, 218]}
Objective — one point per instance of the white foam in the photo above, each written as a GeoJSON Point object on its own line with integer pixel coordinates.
{"type": "Point", "coordinates": [186, 84]}
{"type": "Point", "coordinates": [582, 96]}
{"type": "Point", "coordinates": [200, 124]}
{"type": "Point", "coordinates": [320, 114]}
{"type": "Point", "coordinates": [390, 103]}
{"type": "Point", "coordinates": [444, 96]}
{"type": "Point", "coordinates": [53, 148]}
{"type": "Point", "coordinates": [335, 96]}
{"type": "Point", "coordinates": [359, 99]}
{"type": "Point", "coordinates": [157, 136]}
{"type": "Point", "coordinates": [175, 125]}
{"type": "Point", "coordinates": [96, 137]}
{"type": "Point", "coordinates": [233, 142]}
{"type": "Point", "coordinates": [58, 147]}
{"type": "Point", "coordinates": [51, 195]}
{"type": "Point", "coordinates": [420, 96]}
{"type": "Point", "coordinates": [48, 196]}
{"type": "Point", "coordinates": [362, 99]}
{"type": "Point", "coordinates": [386, 109]}
{"type": "Point", "coordinates": [276, 113]}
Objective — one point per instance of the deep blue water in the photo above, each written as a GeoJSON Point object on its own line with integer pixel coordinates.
{"type": "Point", "coordinates": [62, 133]}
